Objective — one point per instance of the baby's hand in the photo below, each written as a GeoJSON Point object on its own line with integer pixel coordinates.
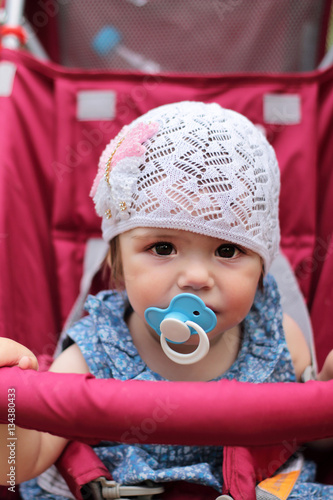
{"type": "Point", "coordinates": [327, 369]}
{"type": "Point", "coordinates": [14, 354]}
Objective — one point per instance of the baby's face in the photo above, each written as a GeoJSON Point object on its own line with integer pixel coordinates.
{"type": "Point", "coordinates": [159, 264]}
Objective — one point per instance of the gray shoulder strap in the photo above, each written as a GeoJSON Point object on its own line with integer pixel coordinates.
{"type": "Point", "coordinates": [96, 251]}
{"type": "Point", "coordinates": [292, 300]}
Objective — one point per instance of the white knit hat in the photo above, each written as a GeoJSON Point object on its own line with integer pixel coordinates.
{"type": "Point", "coordinates": [196, 167]}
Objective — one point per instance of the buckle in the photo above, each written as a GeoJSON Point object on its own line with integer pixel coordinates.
{"type": "Point", "coordinates": [115, 491]}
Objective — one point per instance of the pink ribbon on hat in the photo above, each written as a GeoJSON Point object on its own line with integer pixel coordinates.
{"type": "Point", "coordinates": [125, 144]}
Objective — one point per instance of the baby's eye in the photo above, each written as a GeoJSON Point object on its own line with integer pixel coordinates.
{"type": "Point", "coordinates": [227, 251]}
{"type": "Point", "coordinates": [163, 248]}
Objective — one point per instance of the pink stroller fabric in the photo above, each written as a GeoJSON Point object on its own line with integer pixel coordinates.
{"type": "Point", "coordinates": [49, 153]}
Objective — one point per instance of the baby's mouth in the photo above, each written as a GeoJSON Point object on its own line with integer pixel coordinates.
{"type": "Point", "coordinates": [186, 315]}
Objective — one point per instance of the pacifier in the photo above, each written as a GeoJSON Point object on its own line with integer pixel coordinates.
{"type": "Point", "coordinates": [186, 315]}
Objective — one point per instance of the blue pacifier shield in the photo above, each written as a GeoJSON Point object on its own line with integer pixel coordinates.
{"type": "Point", "coordinates": [183, 307]}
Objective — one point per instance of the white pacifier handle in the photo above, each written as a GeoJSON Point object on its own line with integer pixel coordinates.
{"type": "Point", "coordinates": [180, 332]}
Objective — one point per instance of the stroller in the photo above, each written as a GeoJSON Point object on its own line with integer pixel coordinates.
{"type": "Point", "coordinates": [55, 122]}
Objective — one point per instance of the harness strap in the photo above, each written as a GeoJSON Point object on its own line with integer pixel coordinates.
{"type": "Point", "coordinates": [96, 251]}
{"type": "Point", "coordinates": [79, 465]}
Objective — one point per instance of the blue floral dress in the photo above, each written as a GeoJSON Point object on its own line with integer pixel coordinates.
{"type": "Point", "coordinates": [106, 344]}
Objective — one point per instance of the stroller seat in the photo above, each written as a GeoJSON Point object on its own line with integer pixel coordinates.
{"type": "Point", "coordinates": [48, 162]}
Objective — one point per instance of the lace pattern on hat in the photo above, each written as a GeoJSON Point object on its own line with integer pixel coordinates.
{"type": "Point", "coordinates": [206, 169]}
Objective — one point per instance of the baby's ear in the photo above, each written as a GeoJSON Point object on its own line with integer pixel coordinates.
{"type": "Point", "coordinates": [114, 263]}
{"type": "Point", "coordinates": [108, 261]}
{"type": "Point", "coordinates": [261, 282]}
{"type": "Point", "coordinates": [262, 275]}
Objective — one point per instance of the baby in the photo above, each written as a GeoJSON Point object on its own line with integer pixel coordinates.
{"type": "Point", "coordinates": [188, 194]}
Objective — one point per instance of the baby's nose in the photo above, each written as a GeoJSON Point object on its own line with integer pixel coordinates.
{"type": "Point", "coordinates": [196, 276]}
